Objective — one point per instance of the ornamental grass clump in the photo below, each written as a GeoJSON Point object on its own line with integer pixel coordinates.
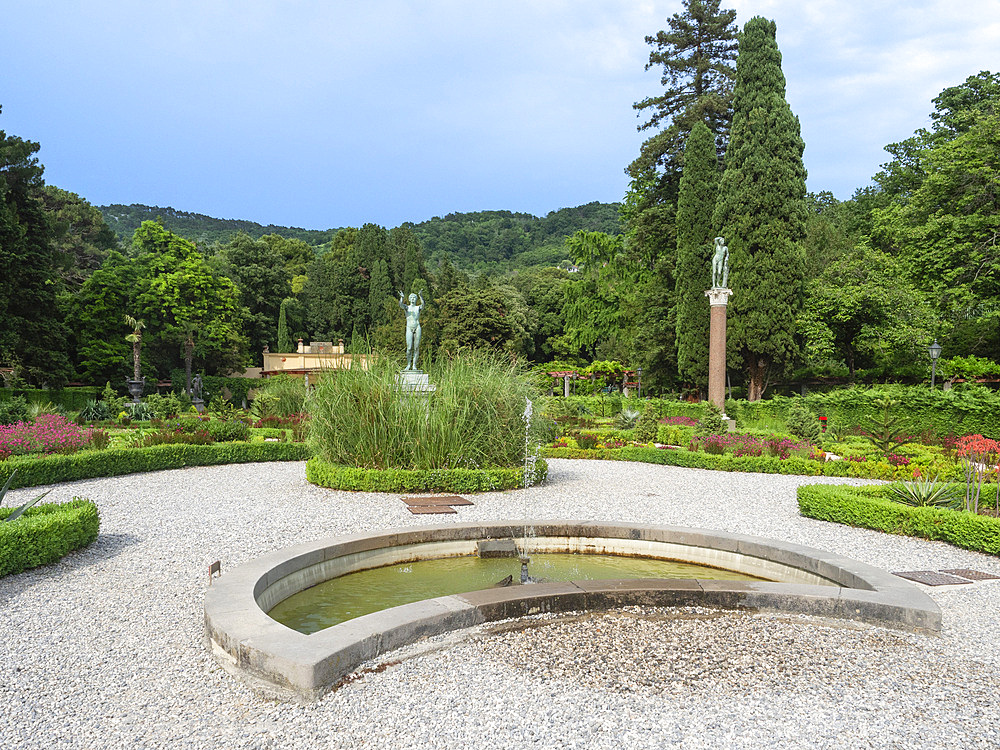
{"type": "Point", "coordinates": [50, 433]}
{"type": "Point", "coordinates": [925, 493]}
{"type": "Point", "coordinates": [473, 419]}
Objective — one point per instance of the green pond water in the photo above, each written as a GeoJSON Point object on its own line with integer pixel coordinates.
{"type": "Point", "coordinates": [366, 591]}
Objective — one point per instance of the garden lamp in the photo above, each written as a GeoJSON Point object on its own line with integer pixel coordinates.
{"type": "Point", "coordinates": [638, 371]}
{"type": "Point", "coordinates": [935, 351]}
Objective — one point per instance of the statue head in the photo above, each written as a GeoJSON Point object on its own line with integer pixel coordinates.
{"type": "Point", "coordinates": [719, 241]}
{"type": "Point", "coordinates": [413, 298]}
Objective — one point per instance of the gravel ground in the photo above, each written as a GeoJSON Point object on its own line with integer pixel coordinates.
{"type": "Point", "coordinates": [104, 649]}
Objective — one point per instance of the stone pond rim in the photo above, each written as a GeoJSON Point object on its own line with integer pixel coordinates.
{"type": "Point", "coordinates": [286, 663]}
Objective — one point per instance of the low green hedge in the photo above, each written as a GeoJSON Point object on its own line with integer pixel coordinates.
{"type": "Point", "coordinates": [112, 462]}
{"type": "Point", "coordinates": [45, 533]}
{"type": "Point", "coordinates": [414, 480]}
{"type": "Point", "coordinates": [758, 464]}
{"type": "Point", "coordinates": [870, 508]}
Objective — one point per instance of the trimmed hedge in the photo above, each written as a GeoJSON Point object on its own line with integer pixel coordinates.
{"type": "Point", "coordinates": [116, 461]}
{"type": "Point", "coordinates": [728, 462]}
{"type": "Point", "coordinates": [414, 480]}
{"type": "Point", "coordinates": [45, 533]}
{"type": "Point", "coordinates": [71, 399]}
{"type": "Point", "coordinates": [870, 508]}
{"type": "Point", "coordinates": [967, 410]}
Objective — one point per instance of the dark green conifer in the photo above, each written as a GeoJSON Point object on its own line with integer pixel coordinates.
{"type": "Point", "coordinates": [285, 343]}
{"type": "Point", "coordinates": [695, 204]}
{"type": "Point", "coordinates": [761, 211]}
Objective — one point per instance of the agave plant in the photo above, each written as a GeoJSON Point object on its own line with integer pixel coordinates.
{"type": "Point", "coordinates": [925, 492]}
{"type": "Point", "coordinates": [627, 418]}
{"type": "Point", "coordinates": [17, 513]}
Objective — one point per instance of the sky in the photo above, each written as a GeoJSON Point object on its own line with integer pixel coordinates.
{"type": "Point", "coordinates": [328, 113]}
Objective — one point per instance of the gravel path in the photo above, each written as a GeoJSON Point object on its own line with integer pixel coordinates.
{"type": "Point", "coordinates": [104, 649]}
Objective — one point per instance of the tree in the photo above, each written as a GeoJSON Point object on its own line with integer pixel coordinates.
{"type": "Point", "coordinates": [186, 303]}
{"type": "Point", "coordinates": [696, 55]}
{"type": "Point", "coordinates": [32, 335]}
{"type": "Point", "coordinates": [484, 317]}
{"type": "Point", "coordinates": [93, 316]}
{"type": "Point", "coordinates": [594, 309]}
{"type": "Point", "coordinates": [761, 211]}
{"type": "Point", "coordinates": [695, 204]}
{"type": "Point", "coordinates": [861, 310]}
{"type": "Point", "coordinates": [285, 343]}
{"type": "Point", "coordinates": [79, 234]}
{"type": "Point", "coordinates": [135, 339]}
{"type": "Point", "coordinates": [259, 271]}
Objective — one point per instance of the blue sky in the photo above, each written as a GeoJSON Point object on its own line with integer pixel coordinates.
{"type": "Point", "coordinates": [324, 113]}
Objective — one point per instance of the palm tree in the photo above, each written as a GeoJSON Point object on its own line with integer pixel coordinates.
{"type": "Point", "coordinates": [135, 339]}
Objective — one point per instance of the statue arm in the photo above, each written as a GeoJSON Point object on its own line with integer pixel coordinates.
{"type": "Point", "coordinates": [419, 294]}
{"type": "Point", "coordinates": [402, 306]}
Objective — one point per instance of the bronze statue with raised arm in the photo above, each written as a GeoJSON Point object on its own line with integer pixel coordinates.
{"type": "Point", "coordinates": [412, 311]}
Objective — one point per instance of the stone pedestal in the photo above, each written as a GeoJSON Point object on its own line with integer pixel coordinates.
{"type": "Point", "coordinates": [416, 382]}
{"type": "Point", "coordinates": [718, 298]}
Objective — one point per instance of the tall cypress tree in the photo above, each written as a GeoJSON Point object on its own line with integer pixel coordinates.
{"type": "Point", "coordinates": [695, 204]}
{"type": "Point", "coordinates": [761, 211]}
{"type": "Point", "coordinates": [285, 343]}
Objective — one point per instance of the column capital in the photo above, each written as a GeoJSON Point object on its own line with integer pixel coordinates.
{"type": "Point", "coordinates": [718, 296]}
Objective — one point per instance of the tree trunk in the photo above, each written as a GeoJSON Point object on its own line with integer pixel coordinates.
{"type": "Point", "coordinates": [136, 369]}
{"type": "Point", "coordinates": [188, 356]}
{"type": "Point", "coordinates": [757, 378]}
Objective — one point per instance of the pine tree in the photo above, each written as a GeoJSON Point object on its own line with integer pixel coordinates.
{"type": "Point", "coordinates": [695, 204]}
{"type": "Point", "coordinates": [761, 211]}
{"type": "Point", "coordinates": [696, 55]}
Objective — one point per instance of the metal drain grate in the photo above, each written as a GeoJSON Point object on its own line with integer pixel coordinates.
{"type": "Point", "coordinates": [972, 575]}
{"type": "Point", "coordinates": [931, 577]}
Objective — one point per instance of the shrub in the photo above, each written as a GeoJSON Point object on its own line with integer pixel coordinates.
{"type": "Point", "coordinates": [228, 431]}
{"type": "Point", "coordinates": [870, 508]}
{"type": "Point", "coordinates": [163, 407]}
{"type": "Point", "coordinates": [285, 394]}
{"type": "Point", "coordinates": [711, 423]}
{"type": "Point", "coordinates": [94, 411]}
{"type": "Point", "coordinates": [116, 461]}
{"type": "Point", "coordinates": [45, 533]}
{"type": "Point", "coordinates": [417, 480]}
{"type": "Point", "coordinates": [98, 439]}
{"type": "Point", "coordinates": [139, 412]}
{"type": "Point", "coordinates": [645, 428]}
{"type": "Point", "coordinates": [803, 423]}
{"type": "Point", "coordinates": [174, 437]}
{"type": "Point", "coordinates": [13, 410]}
{"type": "Point", "coordinates": [114, 402]}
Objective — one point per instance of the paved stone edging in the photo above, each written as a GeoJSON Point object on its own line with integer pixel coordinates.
{"type": "Point", "coordinates": [245, 640]}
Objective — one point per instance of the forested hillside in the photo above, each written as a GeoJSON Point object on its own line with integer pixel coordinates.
{"type": "Point", "coordinates": [204, 230]}
{"type": "Point", "coordinates": [484, 240]}
{"type": "Point", "coordinates": [475, 241]}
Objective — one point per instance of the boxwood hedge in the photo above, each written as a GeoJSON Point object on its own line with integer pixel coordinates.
{"type": "Point", "coordinates": [33, 471]}
{"type": "Point", "coordinates": [728, 462]}
{"type": "Point", "coordinates": [871, 508]}
{"type": "Point", "coordinates": [414, 480]}
{"type": "Point", "coordinates": [45, 533]}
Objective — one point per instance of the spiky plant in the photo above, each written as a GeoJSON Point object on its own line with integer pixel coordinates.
{"type": "Point", "coordinates": [925, 493]}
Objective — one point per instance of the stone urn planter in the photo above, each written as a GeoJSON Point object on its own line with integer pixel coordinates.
{"type": "Point", "coordinates": [135, 388]}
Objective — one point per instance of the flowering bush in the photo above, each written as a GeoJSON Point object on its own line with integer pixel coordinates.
{"type": "Point", "coordinates": [50, 433]}
{"type": "Point", "coordinates": [613, 443]}
{"type": "Point", "coordinates": [897, 460]}
{"type": "Point", "coordinates": [685, 421]}
{"type": "Point", "coordinates": [857, 459]}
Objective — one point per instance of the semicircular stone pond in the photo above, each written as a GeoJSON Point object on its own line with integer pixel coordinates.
{"type": "Point", "coordinates": [297, 621]}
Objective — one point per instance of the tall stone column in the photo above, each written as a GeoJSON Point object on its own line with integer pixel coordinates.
{"type": "Point", "coordinates": [718, 298]}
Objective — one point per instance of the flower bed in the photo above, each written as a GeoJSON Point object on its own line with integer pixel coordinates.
{"type": "Point", "coordinates": [50, 433]}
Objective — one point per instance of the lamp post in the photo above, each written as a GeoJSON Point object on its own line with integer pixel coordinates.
{"type": "Point", "coordinates": [638, 371]}
{"type": "Point", "coordinates": [935, 351]}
